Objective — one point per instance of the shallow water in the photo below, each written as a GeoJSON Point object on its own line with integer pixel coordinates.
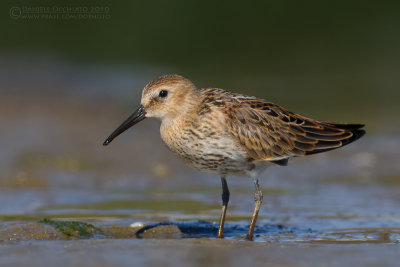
{"type": "Point", "coordinates": [325, 210]}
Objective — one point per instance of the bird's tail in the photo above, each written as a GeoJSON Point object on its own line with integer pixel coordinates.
{"type": "Point", "coordinates": [329, 137]}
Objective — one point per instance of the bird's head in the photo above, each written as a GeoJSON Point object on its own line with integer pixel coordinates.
{"type": "Point", "coordinates": [165, 98]}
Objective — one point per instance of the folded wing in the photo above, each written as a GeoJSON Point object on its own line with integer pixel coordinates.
{"type": "Point", "coordinates": [269, 132]}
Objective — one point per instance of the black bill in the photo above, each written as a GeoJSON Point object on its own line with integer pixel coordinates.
{"type": "Point", "coordinates": [138, 115]}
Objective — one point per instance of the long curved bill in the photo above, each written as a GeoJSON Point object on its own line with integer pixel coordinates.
{"type": "Point", "coordinates": [138, 115]}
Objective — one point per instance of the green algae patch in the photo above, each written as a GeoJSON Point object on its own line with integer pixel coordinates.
{"type": "Point", "coordinates": [74, 228]}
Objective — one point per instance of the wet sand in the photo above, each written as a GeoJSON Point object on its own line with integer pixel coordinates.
{"type": "Point", "coordinates": [336, 209]}
{"type": "Point", "coordinates": [194, 252]}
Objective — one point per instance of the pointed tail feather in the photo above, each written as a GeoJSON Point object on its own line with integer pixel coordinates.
{"type": "Point", "coordinates": [346, 134]}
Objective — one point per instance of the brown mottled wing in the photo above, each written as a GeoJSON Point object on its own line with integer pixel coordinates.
{"type": "Point", "coordinates": [269, 132]}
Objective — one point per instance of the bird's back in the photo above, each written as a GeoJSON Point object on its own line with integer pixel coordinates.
{"type": "Point", "coordinates": [266, 131]}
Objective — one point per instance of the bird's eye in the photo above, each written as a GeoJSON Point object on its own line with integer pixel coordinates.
{"type": "Point", "coordinates": [163, 93]}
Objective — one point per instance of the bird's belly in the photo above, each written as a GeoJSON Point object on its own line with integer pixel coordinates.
{"type": "Point", "coordinates": [216, 163]}
{"type": "Point", "coordinates": [219, 156]}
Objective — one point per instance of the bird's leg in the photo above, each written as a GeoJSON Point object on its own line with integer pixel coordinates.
{"type": "Point", "coordinates": [225, 200]}
{"type": "Point", "coordinates": [258, 197]}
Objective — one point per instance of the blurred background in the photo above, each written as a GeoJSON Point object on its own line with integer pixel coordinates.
{"type": "Point", "coordinates": [70, 73]}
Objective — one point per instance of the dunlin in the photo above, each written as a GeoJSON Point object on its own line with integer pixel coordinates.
{"type": "Point", "coordinates": [216, 131]}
